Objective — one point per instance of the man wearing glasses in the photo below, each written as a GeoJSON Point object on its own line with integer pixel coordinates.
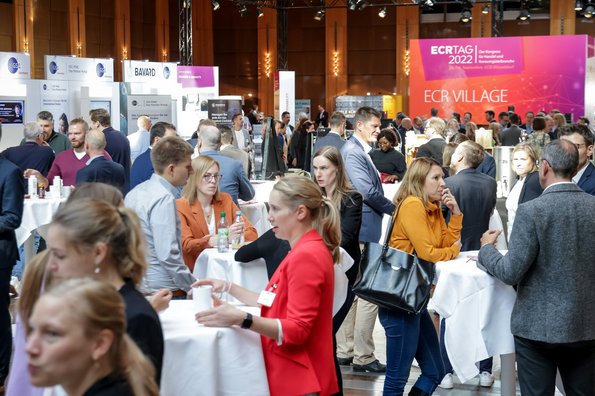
{"type": "Point", "coordinates": [233, 180]}
{"type": "Point", "coordinates": [155, 203]}
{"type": "Point", "coordinates": [582, 138]}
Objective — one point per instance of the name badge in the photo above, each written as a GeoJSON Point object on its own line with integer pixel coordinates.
{"type": "Point", "coordinates": [267, 297]}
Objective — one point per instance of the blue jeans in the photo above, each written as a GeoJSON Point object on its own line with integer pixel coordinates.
{"type": "Point", "coordinates": [484, 365]}
{"type": "Point", "coordinates": [410, 336]}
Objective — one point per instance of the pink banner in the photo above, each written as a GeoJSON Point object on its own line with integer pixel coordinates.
{"type": "Point", "coordinates": [196, 76]}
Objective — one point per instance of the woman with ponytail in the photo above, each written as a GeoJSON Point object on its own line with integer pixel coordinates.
{"type": "Point", "coordinates": [296, 306]}
{"type": "Point", "coordinates": [77, 339]}
{"type": "Point", "coordinates": [89, 237]}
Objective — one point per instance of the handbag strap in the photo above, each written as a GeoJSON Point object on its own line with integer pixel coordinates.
{"type": "Point", "coordinates": [389, 230]}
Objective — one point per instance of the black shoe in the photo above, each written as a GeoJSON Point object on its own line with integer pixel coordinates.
{"type": "Point", "coordinates": [417, 392]}
{"type": "Point", "coordinates": [374, 367]}
{"type": "Point", "coordinates": [345, 361]}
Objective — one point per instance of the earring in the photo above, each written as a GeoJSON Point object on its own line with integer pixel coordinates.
{"type": "Point", "coordinates": [97, 269]}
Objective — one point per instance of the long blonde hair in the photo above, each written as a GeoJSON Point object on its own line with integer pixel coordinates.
{"type": "Point", "coordinates": [200, 165]}
{"type": "Point", "coordinates": [299, 190]}
{"type": "Point", "coordinates": [342, 185]}
{"type": "Point", "coordinates": [89, 221]}
{"type": "Point", "coordinates": [99, 306]}
{"type": "Point", "coordinates": [35, 280]}
{"type": "Point", "coordinates": [414, 181]}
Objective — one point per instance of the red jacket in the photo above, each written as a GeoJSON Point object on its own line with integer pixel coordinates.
{"type": "Point", "coordinates": [304, 302]}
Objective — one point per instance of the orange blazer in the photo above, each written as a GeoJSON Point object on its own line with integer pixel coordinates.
{"type": "Point", "coordinates": [303, 285]}
{"type": "Point", "coordinates": [195, 232]}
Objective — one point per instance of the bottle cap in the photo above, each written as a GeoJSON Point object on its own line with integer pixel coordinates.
{"type": "Point", "coordinates": [222, 214]}
{"type": "Point", "coordinates": [239, 213]}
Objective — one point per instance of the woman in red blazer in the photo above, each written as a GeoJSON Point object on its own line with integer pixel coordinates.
{"type": "Point", "coordinates": [200, 209]}
{"type": "Point", "coordinates": [296, 306]}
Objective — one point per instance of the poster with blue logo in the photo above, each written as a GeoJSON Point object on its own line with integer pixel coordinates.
{"type": "Point", "coordinates": [141, 71]}
{"type": "Point", "coordinates": [15, 65]}
{"type": "Point", "coordinates": [67, 68]}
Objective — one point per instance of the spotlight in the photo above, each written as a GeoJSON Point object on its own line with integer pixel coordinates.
{"type": "Point", "coordinates": [466, 15]}
{"type": "Point", "coordinates": [357, 4]}
{"type": "Point", "coordinates": [243, 10]}
{"type": "Point", "coordinates": [485, 10]}
{"type": "Point", "coordinates": [589, 11]}
{"type": "Point", "coordinates": [215, 4]}
{"type": "Point", "coordinates": [524, 15]}
{"type": "Point", "coordinates": [382, 12]}
{"type": "Point", "coordinates": [319, 15]}
{"type": "Point", "coordinates": [578, 6]}
{"type": "Point", "coordinates": [429, 3]}
{"type": "Point", "coordinates": [259, 12]}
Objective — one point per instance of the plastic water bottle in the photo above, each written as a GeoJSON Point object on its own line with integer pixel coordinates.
{"type": "Point", "coordinates": [32, 186]}
{"type": "Point", "coordinates": [237, 240]}
{"type": "Point", "coordinates": [57, 186]}
{"type": "Point", "coordinates": [222, 235]}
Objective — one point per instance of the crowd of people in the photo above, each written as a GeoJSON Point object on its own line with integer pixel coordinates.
{"type": "Point", "coordinates": [147, 205]}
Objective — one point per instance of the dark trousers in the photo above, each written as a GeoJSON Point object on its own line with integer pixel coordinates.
{"type": "Point", "coordinates": [537, 363]}
{"type": "Point", "coordinates": [337, 322]}
{"type": "Point", "coordinates": [484, 365]}
{"type": "Point", "coordinates": [5, 329]}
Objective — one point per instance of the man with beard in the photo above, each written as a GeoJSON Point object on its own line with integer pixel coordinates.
{"type": "Point", "coordinates": [68, 162]}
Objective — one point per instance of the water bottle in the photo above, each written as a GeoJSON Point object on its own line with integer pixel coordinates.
{"type": "Point", "coordinates": [222, 235]}
{"type": "Point", "coordinates": [57, 184]}
{"type": "Point", "coordinates": [237, 240]}
{"type": "Point", "coordinates": [32, 186]}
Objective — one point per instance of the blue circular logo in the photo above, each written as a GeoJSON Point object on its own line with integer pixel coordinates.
{"type": "Point", "coordinates": [45, 87]}
{"type": "Point", "coordinates": [166, 72]}
{"type": "Point", "coordinates": [53, 67]}
{"type": "Point", "coordinates": [13, 65]}
{"type": "Point", "coordinates": [100, 69]}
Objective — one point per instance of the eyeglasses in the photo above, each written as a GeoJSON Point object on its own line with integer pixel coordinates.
{"type": "Point", "coordinates": [579, 145]}
{"type": "Point", "coordinates": [207, 177]}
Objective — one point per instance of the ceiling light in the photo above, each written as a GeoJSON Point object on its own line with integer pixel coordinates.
{"type": "Point", "coordinates": [215, 4]}
{"type": "Point", "coordinates": [578, 6]}
{"type": "Point", "coordinates": [243, 10]}
{"type": "Point", "coordinates": [259, 12]}
{"type": "Point", "coordinates": [485, 10]}
{"type": "Point", "coordinates": [429, 3]}
{"type": "Point", "coordinates": [524, 15]}
{"type": "Point", "coordinates": [357, 4]}
{"type": "Point", "coordinates": [382, 12]}
{"type": "Point", "coordinates": [466, 15]}
{"type": "Point", "coordinates": [589, 11]}
{"type": "Point", "coordinates": [319, 15]}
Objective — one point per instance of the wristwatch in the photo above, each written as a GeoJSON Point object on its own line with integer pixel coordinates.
{"type": "Point", "coordinates": [247, 323]}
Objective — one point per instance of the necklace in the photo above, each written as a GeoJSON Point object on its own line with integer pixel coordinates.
{"type": "Point", "coordinates": [208, 211]}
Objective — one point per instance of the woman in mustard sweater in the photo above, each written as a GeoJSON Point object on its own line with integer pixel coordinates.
{"type": "Point", "coordinates": [420, 228]}
{"type": "Point", "coordinates": [200, 208]}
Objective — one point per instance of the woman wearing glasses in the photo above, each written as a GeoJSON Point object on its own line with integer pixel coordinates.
{"type": "Point", "coordinates": [200, 209]}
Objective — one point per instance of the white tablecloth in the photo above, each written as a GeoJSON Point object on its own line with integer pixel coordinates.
{"type": "Point", "coordinates": [256, 212]}
{"type": "Point", "coordinates": [262, 189]}
{"type": "Point", "coordinates": [212, 264]}
{"type": "Point", "coordinates": [477, 309]}
{"type": "Point", "coordinates": [209, 361]}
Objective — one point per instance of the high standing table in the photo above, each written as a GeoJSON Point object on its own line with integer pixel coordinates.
{"type": "Point", "coordinates": [477, 309]}
{"type": "Point", "coordinates": [209, 361]}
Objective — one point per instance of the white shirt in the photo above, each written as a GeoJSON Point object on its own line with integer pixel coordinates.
{"type": "Point", "coordinates": [365, 145]}
{"type": "Point", "coordinates": [579, 174]}
{"type": "Point", "coordinates": [239, 135]}
{"type": "Point", "coordinates": [139, 143]}
{"type": "Point", "coordinates": [512, 203]}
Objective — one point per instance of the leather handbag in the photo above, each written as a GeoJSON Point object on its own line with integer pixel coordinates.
{"type": "Point", "coordinates": [393, 279]}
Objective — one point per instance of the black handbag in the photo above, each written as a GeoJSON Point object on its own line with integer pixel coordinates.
{"type": "Point", "coordinates": [393, 279]}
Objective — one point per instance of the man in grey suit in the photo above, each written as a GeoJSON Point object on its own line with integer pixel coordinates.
{"type": "Point", "coordinates": [233, 180]}
{"type": "Point", "coordinates": [550, 259]}
{"type": "Point", "coordinates": [229, 150]}
{"type": "Point", "coordinates": [512, 136]}
{"type": "Point", "coordinates": [434, 131]}
{"type": "Point", "coordinates": [355, 335]}
{"type": "Point", "coordinates": [335, 137]}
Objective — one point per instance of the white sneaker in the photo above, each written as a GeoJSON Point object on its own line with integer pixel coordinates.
{"type": "Point", "coordinates": [447, 382]}
{"type": "Point", "coordinates": [486, 379]}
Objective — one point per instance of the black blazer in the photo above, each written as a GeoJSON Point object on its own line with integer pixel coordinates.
{"type": "Point", "coordinates": [475, 193]}
{"type": "Point", "coordinates": [510, 136]}
{"type": "Point", "coordinates": [110, 386]}
{"type": "Point", "coordinates": [268, 247]}
{"type": "Point", "coordinates": [103, 170]}
{"type": "Point", "coordinates": [12, 195]}
{"type": "Point", "coordinates": [351, 222]}
{"type": "Point", "coordinates": [432, 149]}
{"type": "Point", "coordinates": [531, 189]}
{"type": "Point", "coordinates": [143, 325]}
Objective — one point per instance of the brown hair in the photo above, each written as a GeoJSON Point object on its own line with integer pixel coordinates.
{"type": "Point", "coordinates": [299, 190]}
{"type": "Point", "coordinates": [101, 116]}
{"type": "Point", "coordinates": [90, 221]}
{"type": "Point", "coordinates": [200, 165]}
{"type": "Point", "coordinates": [99, 306]}
{"type": "Point", "coordinates": [35, 279]}
{"type": "Point", "coordinates": [169, 150]}
{"type": "Point", "coordinates": [79, 120]}
{"type": "Point", "coordinates": [96, 190]}
{"type": "Point", "coordinates": [474, 155]}
{"type": "Point", "coordinates": [414, 181]}
{"type": "Point", "coordinates": [342, 185]}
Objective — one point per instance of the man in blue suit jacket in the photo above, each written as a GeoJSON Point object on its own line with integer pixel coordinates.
{"type": "Point", "coordinates": [233, 180]}
{"type": "Point", "coordinates": [34, 153]}
{"type": "Point", "coordinates": [335, 137]}
{"type": "Point", "coordinates": [365, 179]}
{"type": "Point", "coordinates": [100, 169]}
{"type": "Point", "coordinates": [550, 259]}
{"type": "Point", "coordinates": [12, 195]}
{"type": "Point", "coordinates": [142, 168]}
{"type": "Point", "coordinates": [582, 138]}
